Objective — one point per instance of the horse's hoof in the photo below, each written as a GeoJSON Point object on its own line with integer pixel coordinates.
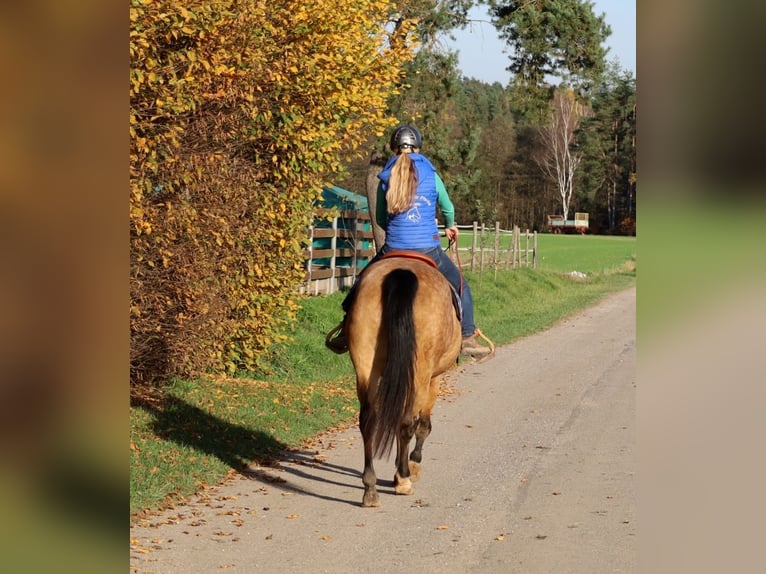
{"type": "Point", "coordinates": [405, 489]}
{"type": "Point", "coordinates": [370, 500]}
{"type": "Point", "coordinates": [414, 471]}
{"type": "Point", "coordinates": [402, 485]}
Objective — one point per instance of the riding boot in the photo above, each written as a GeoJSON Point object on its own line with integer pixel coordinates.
{"type": "Point", "coordinates": [336, 339]}
{"type": "Point", "coordinates": [470, 347]}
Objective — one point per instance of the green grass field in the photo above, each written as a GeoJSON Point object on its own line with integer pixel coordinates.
{"type": "Point", "coordinates": [201, 430]}
{"type": "Point", "coordinates": [585, 253]}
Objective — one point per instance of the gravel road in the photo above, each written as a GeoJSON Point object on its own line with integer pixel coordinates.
{"type": "Point", "coordinates": [529, 469]}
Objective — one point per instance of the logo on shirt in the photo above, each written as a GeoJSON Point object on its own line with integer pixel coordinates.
{"type": "Point", "coordinates": [414, 212]}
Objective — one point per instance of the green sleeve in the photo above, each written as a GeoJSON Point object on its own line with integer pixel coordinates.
{"type": "Point", "coordinates": [381, 211]}
{"type": "Point", "coordinates": [445, 204]}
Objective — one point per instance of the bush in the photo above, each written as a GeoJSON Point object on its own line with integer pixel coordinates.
{"type": "Point", "coordinates": [238, 114]}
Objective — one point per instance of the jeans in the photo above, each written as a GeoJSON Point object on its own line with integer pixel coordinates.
{"type": "Point", "coordinates": [450, 272]}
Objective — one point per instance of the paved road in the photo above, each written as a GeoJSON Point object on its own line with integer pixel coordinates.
{"type": "Point", "coordinates": [529, 469]}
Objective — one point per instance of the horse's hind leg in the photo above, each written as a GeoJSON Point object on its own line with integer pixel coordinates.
{"type": "Point", "coordinates": [422, 430]}
{"type": "Point", "coordinates": [369, 479]}
{"type": "Point", "coordinates": [421, 434]}
{"type": "Point", "coordinates": [402, 481]}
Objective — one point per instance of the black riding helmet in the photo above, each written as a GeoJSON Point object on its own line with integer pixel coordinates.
{"type": "Point", "coordinates": [405, 136]}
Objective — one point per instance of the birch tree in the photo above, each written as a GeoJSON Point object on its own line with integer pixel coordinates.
{"type": "Point", "coordinates": [557, 155]}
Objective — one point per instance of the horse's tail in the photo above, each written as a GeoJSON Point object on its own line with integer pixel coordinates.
{"type": "Point", "coordinates": [396, 386]}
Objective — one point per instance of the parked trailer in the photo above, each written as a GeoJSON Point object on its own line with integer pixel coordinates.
{"type": "Point", "coordinates": [557, 224]}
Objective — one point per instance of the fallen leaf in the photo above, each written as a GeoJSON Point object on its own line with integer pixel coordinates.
{"type": "Point", "coordinates": [293, 515]}
{"type": "Point", "coordinates": [501, 537]}
{"type": "Point", "coordinates": [442, 527]}
{"type": "Point", "coordinates": [325, 537]}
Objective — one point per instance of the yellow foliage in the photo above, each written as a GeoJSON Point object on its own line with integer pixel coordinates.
{"type": "Point", "coordinates": [239, 114]}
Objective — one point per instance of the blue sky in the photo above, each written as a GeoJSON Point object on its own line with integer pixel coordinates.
{"type": "Point", "coordinates": [481, 52]}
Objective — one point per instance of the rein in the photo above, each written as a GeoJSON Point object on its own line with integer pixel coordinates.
{"type": "Point", "coordinates": [453, 245]}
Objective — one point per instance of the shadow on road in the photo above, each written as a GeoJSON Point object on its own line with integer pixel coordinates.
{"type": "Point", "coordinates": [253, 454]}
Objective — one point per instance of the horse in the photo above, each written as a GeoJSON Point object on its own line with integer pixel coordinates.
{"type": "Point", "coordinates": [403, 332]}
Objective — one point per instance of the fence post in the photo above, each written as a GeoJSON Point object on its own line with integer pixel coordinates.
{"type": "Point", "coordinates": [534, 253]}
{"type": "Point", "coordinates": [473, 245]}
{"type": "Point", "coordinates": [355, 223]}
{"type": "Point", "coordinates": [526, 248]}
{"type": "Point", "coordinates": [310, 258]}
{"type": "Point", "coordinates": [481, 247]}
{"type": "Point", "coordinates": [497, 247]}
{"type": "Point", "coordinates": [334, 246]}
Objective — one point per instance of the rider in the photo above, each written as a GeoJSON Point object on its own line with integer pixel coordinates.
{"type": "Point", "coordinates": [408, 192]}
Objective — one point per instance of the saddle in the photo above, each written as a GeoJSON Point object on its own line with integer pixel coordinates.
{"type": "Point", "coordinates": [410, 255]}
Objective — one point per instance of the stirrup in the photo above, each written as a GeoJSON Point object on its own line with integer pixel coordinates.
{"type": "Point", "coordinates": [486, 357]}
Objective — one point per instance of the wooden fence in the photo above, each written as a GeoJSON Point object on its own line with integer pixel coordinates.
{"type": "Point", "coordinates": [338, 251]}
{"type": "Point", "coordinates": [496, 248]}
{"type": "Point", "coordinates": [341, 247]}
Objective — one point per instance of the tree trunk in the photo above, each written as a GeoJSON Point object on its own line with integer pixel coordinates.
{"type": "Point", "coordinates": [377, 163]}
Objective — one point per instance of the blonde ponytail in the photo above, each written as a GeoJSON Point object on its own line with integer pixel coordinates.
{"type": "Point", "coordinates": [402, 185]}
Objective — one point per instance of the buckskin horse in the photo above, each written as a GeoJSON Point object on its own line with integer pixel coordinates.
{"type": "Point", "coordinates": [403, 333]}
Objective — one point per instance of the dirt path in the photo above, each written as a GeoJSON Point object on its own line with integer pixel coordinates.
{"type": "Point", "coordinates": [529, 469]}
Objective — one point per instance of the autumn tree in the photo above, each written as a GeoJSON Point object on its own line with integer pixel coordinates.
{"type": "Point", "coordinates": [239, 113]}
{"type": "Point", "coordinates": [558, 156]}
